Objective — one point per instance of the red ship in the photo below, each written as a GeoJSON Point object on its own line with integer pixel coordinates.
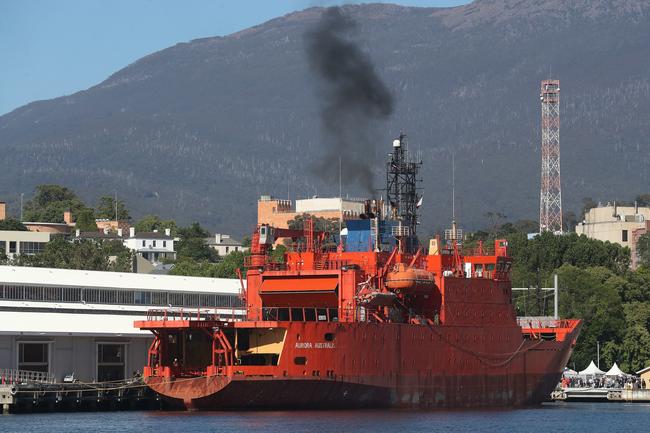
{"type": "Point", "coordinates": [376, 321]}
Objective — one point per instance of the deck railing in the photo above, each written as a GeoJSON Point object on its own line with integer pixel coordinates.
{"type": "Point", "coordinates": [280, 314]}
{"type": "Point", "coordinates": [537, 322]}
{"type": "Point", "coordinates": [164, 314]}
{"type": "Point", "coordinates": [8, 376]}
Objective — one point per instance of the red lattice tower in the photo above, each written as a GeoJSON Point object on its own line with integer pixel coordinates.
{"type": "Point", "coordinates": [550, 201]}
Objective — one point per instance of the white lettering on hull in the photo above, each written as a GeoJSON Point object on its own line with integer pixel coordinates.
{"type": "Point", "coordinates": [309, 345]}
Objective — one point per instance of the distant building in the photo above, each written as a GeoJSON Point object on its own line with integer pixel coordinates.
{"type": "Point", "coordinates": [65, 227]}
{"type": "Point", "coordinates": [62, 322]}
{"type": "Point", "coordinates": [278, 213]}
{"type": "Point", "coordinates": [644, 374]}
{"type": "Point", "coordinates": [15, 242]}
{"type": "Point", "coordinates": [154, 246]}
{"type": "Point", "coordinates": [112, 225]}
{"type": "Point", "coordinates": [617, 224]}
{"type": "Point", "coordinates": [3, 211]}
{"type": "Point", "coordinates": [224, 244]}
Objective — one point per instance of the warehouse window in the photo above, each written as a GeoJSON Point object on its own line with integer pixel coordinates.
{"type": "Point", "coordinates": [624, 236]}
{"type": "Point", "coordinates": [115, 296]}
{"type": "Point", "coordinates": [31, 247]}
{"type": "Point", "coordinates": [34, 356]}
{"type": "Point", "coordinates": [12, 246]}
{"type": "Point", "coordinates": [143, 297]}
{"type": "Point", "coordinates": [111, 361]}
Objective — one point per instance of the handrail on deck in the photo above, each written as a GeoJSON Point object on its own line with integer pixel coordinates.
{"type": "Point", "coordinates": [169, 314]}
{"type": "Point", "coordinates": [10, 376]}
{"type": "Point", "coordinates": [529, 322]}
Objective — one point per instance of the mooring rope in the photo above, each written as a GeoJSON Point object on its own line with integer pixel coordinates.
{"type": "Point", "coordinates": [90, 387]}
{"type": "Point", "coordinates": [484, 356]}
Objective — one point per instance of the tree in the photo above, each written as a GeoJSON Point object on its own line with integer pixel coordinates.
{"type": "Point", "coordinates": [226, 268]}
{"type": "Point", "coordinates": [106, 209]}
{"type": "Point", "coordinates": [276, 255]}
{"type": "Point", "coordinates": [149, 223]}
{"type": "Point", "coordinates": [84, 254]}
{"type": "Point", "coordinates": [193, 231]}
{"type": "Point", "coordinates": [12, 224]}
{"type": "Point", "coordinates": [192, 244]}
{"type": "Point", "coordinates": [643, 249]}
{"type": "Point", "coordinates": [86, 221]}
{"type": "Point", "coordinates": [50, 202]}
{"type": "Point", "coordinates": [583, 295]}
{"type": "Point", "coordinates": [195, 249]}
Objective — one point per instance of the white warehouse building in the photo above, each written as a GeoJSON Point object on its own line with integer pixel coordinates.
{"type": "Point", "coordinates": [69, 322]}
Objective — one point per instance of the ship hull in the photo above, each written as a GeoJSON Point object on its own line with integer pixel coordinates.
{"type": "Point", "coordinates": [296, 394]}
{"type": "Point", "coordinates": [443, 372]}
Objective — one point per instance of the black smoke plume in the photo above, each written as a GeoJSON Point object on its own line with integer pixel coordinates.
{"type": "Point", "coordinates": [353, 97]}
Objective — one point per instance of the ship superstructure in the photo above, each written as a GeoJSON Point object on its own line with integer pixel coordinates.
{"type": "Point", "coordinates": [376, 321]}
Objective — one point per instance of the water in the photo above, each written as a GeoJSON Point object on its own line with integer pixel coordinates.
{"type": "Point", "coordinates": [566, 417]}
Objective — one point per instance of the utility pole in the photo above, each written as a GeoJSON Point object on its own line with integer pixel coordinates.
{"type": "Point", "coordinates": [556, 309]}
{"type": "Point", "coordinates": [22, 194]}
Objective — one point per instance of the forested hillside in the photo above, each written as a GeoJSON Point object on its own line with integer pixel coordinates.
{"type": "Point", "coordinates": [199, 130]}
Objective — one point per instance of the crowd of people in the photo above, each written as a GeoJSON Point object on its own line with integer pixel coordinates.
{"type": "Point", "coordinates": [616, 382]}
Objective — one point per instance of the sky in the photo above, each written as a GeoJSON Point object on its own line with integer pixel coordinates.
{"type": "Point", "coordinates": [55, 48]}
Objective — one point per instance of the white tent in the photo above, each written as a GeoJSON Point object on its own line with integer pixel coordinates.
{"type": "Point", "coordinates": [615, 371]}
{"type": "Point", "coordinates": [591, 370]}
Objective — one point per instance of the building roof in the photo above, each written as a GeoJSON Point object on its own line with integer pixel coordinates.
{"type": "Point", "coordinates": [90, 279]}
{"type": "Point", "coordinates": [149, 235]}
{"type": "Point", "coordinates": [125, 235]}
{"type": "Point", "coordinates": [224, 241]}
{"type": "Point", "coordinates": [99, 235]}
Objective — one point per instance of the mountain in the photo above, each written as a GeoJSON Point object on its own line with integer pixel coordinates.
{"type": "Point", "coordinates": [199, 130]}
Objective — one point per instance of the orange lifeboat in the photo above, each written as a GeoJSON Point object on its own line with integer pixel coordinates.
{"type": "Point", "coordinates": [405, 279]}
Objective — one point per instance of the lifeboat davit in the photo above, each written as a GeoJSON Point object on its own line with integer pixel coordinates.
{"type": "Point", "coordinates": [405, 279]}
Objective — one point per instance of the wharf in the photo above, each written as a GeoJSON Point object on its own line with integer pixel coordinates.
{"type": "Point", "coordinates": [602, 395]}
{"type": "Point", "coordinates": [71, 397]}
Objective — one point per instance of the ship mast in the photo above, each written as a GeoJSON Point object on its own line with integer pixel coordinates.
{"type": "Point", "coordinates": [454, 235]}
{"type": "Point", "coordinates": [401, 194]}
